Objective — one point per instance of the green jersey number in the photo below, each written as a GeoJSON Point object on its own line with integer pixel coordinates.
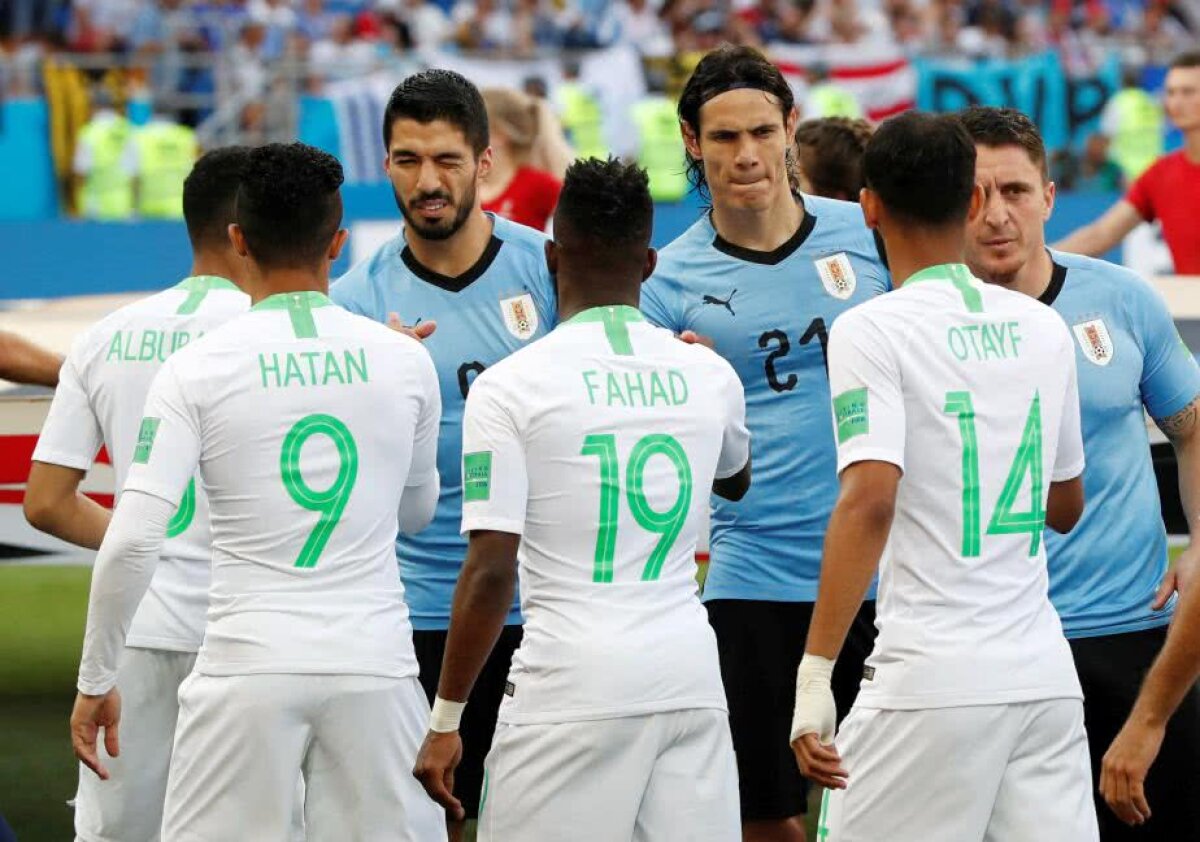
{"type": "Point", "coordinates": [666, 524]}
{"type": "Point", "coordinates": [1027, 462]}
{"type": "Point", "coordinates": [185, 514]}
{"type": "Point", "coordinates": [330, 502]}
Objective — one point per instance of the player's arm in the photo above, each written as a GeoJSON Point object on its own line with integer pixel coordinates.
{"type": "Point", "coordinates": [1105, 233]}
{"type": "Point", "coordinates": [165, 460]}
{"type": "Point", "coordinates": [869, 422]}
{"type": "Point", "coordinates": [495, 490]}
{"type": "Point", "coordinates": [1064, 501]}
{"type": "Point", "coordinates": [1064, 505]}
{"type": "Point", "coordinates": [1183, 430]}
{"type": "Point", "coordinates": [732, 479]}
{"type": "Point", "coordinates": [418, 501]}
{"type": "Point", "coordinates": [66, 448]}
{"type": "Point", "coordinates": [22, 361]}
{"type": "Point", "coordinates": [1175, 671]}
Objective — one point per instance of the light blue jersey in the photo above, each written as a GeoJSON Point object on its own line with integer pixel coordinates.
{"type": "Point", "coordinates": [502, 303]}
{"type": "Point", "coordinates": [769, 314]}
{"type": "Point", "coordinates": [1103, 574]}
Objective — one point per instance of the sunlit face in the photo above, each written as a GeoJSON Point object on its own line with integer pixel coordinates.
{"type": "Point", "coordinates": [435, 176]}
{"type": "Point", "coordinates": [1183, 97]}
{"type": "Point", "coordinates": [1010, 229]}
{"type": "Point", "coordinates": [743, 141]}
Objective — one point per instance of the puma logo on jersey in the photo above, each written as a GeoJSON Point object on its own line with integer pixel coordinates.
{"type": "Point", "coordinates": [724, 302]}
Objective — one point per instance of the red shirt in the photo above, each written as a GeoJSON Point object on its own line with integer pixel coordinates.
{"type": "Point", "coordinates": [1170, 192]}
{"type": "Point", "coordinates": [529, 198]}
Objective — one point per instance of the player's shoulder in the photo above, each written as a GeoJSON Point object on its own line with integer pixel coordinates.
{"type": "Point", "coordinates": [693, 244]}
{"type": "Point", "coordinates": [1106, 284]}
{"type": "Point", "coordinates": [839, 222]}
{"type": "Point", "coordinates": [521, 240]}
{"type": "Point", "coordinates": [361, 278]}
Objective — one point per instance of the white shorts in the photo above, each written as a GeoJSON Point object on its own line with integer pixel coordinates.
{"type": "Point", "coordinates": [128, 806]}
{"type": "Point", "coordinates": [992, 773]}
{"type": "Point", "coordinates": [243, 739]}
{"type": "Point", "coordinates": [660, 777]}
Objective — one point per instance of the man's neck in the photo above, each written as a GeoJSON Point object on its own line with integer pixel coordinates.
{"type": "Point", "coordinates": [283, 281]}
{"type": "Point", "coordinates": [214, 264]}
{"type": "Point", "coordinates": [760, 230]}
{"type": "Point", "coordinates": [909, 253]}
{"type": "Point", "coordinates": [455, 255]}
{"type": "Point", "coordinates": [572, 304]}
{"type": "Point", "coordinates": [1191, 145]}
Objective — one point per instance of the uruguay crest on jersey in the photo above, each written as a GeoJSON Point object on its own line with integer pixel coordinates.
{"type": "Point", "coordinates": [837, 275]}
{"type": "Point", "coordinates": [520, 315]}
{"type": "Point", "coordinates": [1094, 339]}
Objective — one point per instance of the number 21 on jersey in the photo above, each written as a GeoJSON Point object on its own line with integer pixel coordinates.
{"type": "Point", "coordinates": [667, 524]}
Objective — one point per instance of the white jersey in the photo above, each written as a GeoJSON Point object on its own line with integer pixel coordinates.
{"type": "Point", "coordinates": [306, 422]}
{"type": "Point", "coordinates": [970, 389]}
{"type": "Point", "coordinates": [101, 392]}
{"type": "Point", "coordinates": [598, 445]}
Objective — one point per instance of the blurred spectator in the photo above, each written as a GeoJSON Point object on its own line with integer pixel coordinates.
{"type": "Point", "coordinates": [159, 156]}
{"type": "Point", "coordinates": [581, 115]}
{"type": "Point", "coordinates": [826, 98]}
{"type": "Point", "coordinates": [428, 24]}
{"type": "Point", "coordinates": [482, 25]}
{"type": "Point", "coordinates": [829, 153]}
{"type": "Point", "coordinates": [1093, 171]}
{"type": "Point", "coordinates": [102, 25]}
{"type": "Point", "coordinates": [341, 55]}
{"type": "Point", "coordinates": [639, 24]}
{"type": "Point", "coordinates": [514, 189]}
{"type": "Point", "coordinates": [102, 181]}
{"type": "Point", "coordinates": [660, 144]}
{"type": "Point", "coordinates": [1133, 122]}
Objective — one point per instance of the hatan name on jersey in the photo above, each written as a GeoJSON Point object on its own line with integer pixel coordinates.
{"type": "Point", "coordinates": [313, 368]}
{"type": "Point", "coordinates": [637, 388]}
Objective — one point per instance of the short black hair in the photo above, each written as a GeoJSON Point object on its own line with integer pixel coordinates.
{"type": "Point", "coordinates": [210, 193]}
{"type": "Point", "coordinates": [728, 68]}
{"type": "Point", "coordinates": [288, 205]}
{"type": "Point", "coordinates": [922, 167]}
{"type": "Point", "coordinates": [1189, 59]}
{"type": "Point", "coordinates": [439, 95]}
{"type": "Point", "coordinates": [830, 152]}
{"type": "Point", "coordinates": [606, 207]}
{"type": "Point", "coordinates": [990, 126]}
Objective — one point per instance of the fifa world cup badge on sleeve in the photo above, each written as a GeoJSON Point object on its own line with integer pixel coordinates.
{"type": "Point", "coordinates": [477, 475]}
{"type": "Point", "coordinates": [520, 316]}
{"type": "Point", "coordinates": [1095, 341]}
{"type": "Point", "coordinates": [145, 441]}
{"type": "Point", "coordinates": [837, 275]}
{"type": "Point", "coordinates": [850, 414]}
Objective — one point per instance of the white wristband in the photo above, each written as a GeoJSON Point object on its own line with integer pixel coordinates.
{"type": "Point", "coordinates": [814, 668]}
{"type": "Point", "coordinates": [446, 715]}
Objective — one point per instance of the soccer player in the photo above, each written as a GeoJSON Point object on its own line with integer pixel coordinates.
{"type": "Point", "coordinates": [590, 451]}
{"type": "Point", "coordinates": [764, 275]}
{"type": "Point", "coordinates": [315, 433]}
{"type": "Point", "coordinates": [482, 280]}
{"type": "Point", "coordinates": [829, 154]}
{"type": "Point", "coordinates": [958, 441]}
{"type": "Point", "coordinates": [99, 401]}
{"type": "Point", "coordinates": [1168, 191]}
{"type": "Point", "coordinates": [1108, 578]}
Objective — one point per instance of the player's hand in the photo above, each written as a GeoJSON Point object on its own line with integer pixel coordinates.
{"type": "Point", "coordinates": [814, 723]}
{"type": "Point", "coordinates": [1179, 577]}
{"type": "Point", "coordinates": [419, 332]}
{"type": "Point", "coordinates": [693, 338]}
{"type": "Point", "coordinates": [820, 762]}
{"type": "Point", "coordinates": [436, 761]}
{"type": "Point", "coordinates": [1123, 772]}
{"type": "Point", "coordinates": [92, 713]}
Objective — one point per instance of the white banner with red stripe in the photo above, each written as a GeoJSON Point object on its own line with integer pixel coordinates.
{"type": "Point", "coordinates": [879, 75]}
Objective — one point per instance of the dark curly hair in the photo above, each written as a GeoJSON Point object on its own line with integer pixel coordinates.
{"type": "Point", "coordinates": [989, 126]}
{"type": "Point", "coordinates": [288, 205]}
{"type": "Point", "coordinates": [605, 206]}
{"type": "Point", "coordinates": [829, 150]}
{"type": "Point", "coordinates": [922, 166]}
{"type": "Point", "coordinates": [728, 68]}
{"type": "Point", "coordinates": [209, 194]}
{"type": "Point", "coordinates": [439, 95]}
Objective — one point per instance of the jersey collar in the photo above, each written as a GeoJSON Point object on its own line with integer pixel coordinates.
{"type": "Point", "coordinates": [199, 283]}
{"type": "Point", "coordinates": [446, 282]}
{"type": "Point", "coordinates": [299, 306]}
{"type": "Point", "coordinates": [953, 273]}
{"type": "Point", "coordinates": [776, 255]}
{"type": "Point", "coordinates": [616, 319]}
{"type": "Point", "coordinates": [1058, 277]}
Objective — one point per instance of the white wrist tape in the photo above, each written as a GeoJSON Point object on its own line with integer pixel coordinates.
{"type": "Point", "coordinates": [445, 716]}
{"type": "Point", "coordinates": [815, 711]}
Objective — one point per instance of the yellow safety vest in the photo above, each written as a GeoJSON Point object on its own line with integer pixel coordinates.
{"type": "Point", "coordinates": [661, 148]}
{"type": "Point", "coordinates": [832, 101]}
{"type": "Point", "coordinates": [107, 191]}
{"type": "Point", "coordinates": [1138, 140]}
{"type": "Point", "coordinates": [166, 153]}
{"type": "Point", "coordinates": [583, 120]}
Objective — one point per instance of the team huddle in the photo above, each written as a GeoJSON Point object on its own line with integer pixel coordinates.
{"type": "Point", "coordinates": [533, 429]}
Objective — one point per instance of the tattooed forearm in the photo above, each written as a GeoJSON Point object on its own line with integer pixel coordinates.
{"type": "Point", "coordinates": [1182, 423]}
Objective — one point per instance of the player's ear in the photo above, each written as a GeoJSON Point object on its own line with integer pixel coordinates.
{"type": "Point", "coordinates": [238, 239]}
{"type": "Point", "coordinates": [485, 164]}
{"type": "Point", "coordinates": [790, 122]}
{"type": "Point", "coordinates": [552, 258]}
{"type": "Point", "coordinates": [869, 203]}
{"type": "Point", "coordinates": [337, 244]}
{"type": "Point", "coordinates": [690, 141]}
{"type": "Point", "coordinates": [976, 206]}
{"type": "Point", "coordinates": [651, 262]}
{"type": "Point", "coordinates": [1050, 193]}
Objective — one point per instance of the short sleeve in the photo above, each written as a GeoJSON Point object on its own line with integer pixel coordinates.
{"type": "Point", "coordinates": [495, 481]}
{"type": "Point", "coordinates": [1141, 195]}
{"type": "Point", "coordinates": [735, 440]}
{"type": "Point", "coordinates": [1068, 457]}
{"type": "Point", "coordinates": [71, 435]}
{"type": "Point", "coordinates": [656, 305]}
{"type": "Point", "coordinates": [168, 444]}
{"type": "Point", "coordinates": [868, 404]}
{"type": "Point", "coordinates": [342, 292]}
{"type": "Point", "coordinates": [425, 445]}
{"type": "Point", "coordinates": [1170, 377]}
